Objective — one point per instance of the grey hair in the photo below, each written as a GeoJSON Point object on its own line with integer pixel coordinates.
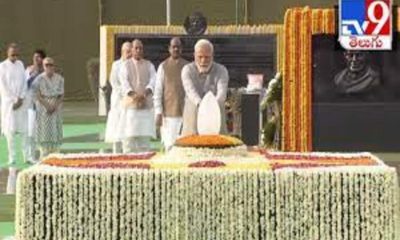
{"type": "Point", "coordinates": [136, 40]}
{"type": "Point", "coordinates": [203, 43]}
{"type": "Point", "coordinates": [126, 45]}
{"type": "Point", "coordinates": [48, 59]}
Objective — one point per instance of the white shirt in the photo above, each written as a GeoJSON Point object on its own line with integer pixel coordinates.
{"type": "Point", "coordinates": [116, 93]}
{"type": "Point", "coordinates": [31, 92]}
{"type": "Point", "coordinates": [113, 119]}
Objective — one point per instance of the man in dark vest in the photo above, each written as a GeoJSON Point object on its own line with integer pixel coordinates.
{"type": "Point", "coordinates": [169, 95]}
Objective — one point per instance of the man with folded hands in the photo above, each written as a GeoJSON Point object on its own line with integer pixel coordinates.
{"type": "Point", "coordinates": [138, 77]}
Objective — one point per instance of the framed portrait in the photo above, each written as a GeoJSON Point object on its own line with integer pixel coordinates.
{"type": "Point", "coordinates": [356, 97]}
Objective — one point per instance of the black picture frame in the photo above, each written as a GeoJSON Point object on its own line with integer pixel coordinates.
{"type": "Point", "coordinates": [354, 123]}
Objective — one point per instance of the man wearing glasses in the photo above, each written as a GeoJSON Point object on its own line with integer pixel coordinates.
{"type": "Point", "coordinates": [13, 89]}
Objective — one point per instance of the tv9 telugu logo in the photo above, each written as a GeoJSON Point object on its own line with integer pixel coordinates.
{"type": "Point", "coordinates": [365, 24]}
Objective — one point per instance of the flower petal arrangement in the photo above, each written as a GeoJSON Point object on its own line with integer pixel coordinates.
{"type": "Point", "coordinates": [207, 164]}
{"type": "Point", "coordinates": [231, 157]}
{"type": "Point", "coordinates": [132, 160]}
{"type": "Point", "coordinates": [280, 160]}
{"type": "Point", "coordinates": [208, 141]}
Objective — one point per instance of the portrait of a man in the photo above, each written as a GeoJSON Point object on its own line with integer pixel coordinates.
{"type": "Point", "coordinates": [195, 24]}
{"type": "Point", "coordinates": [358, 79]}
{"type": "Point", "coordinates": [356, 97]}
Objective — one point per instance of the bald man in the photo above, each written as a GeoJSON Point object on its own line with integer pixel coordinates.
{"type": "Point", "coordinates": [14, 115]}
{"type": "Point", "coordinates": [113, 134]}
{"type": "Point", "coordinates": [169, 94]}
{"type": "Point", "coordinates": [138, 77]}
{"type": "Point", "coordinates": [198, 78]}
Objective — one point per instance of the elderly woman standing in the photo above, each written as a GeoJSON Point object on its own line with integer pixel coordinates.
{"type": "Point", "coordinates": [50, 94]}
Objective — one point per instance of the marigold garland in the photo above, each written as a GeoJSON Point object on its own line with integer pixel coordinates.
{"type": "Point", "coordinates": [209, 141]}
{"type": "Point", "coordinates": [300, 24]}
{"type": "Point", "coordinates": [100, 160]}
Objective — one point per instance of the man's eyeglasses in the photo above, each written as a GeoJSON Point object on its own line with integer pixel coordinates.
{"type": "Point", "coordinates": [49, 65]}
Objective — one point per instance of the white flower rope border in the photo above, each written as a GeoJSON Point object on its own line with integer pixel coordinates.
{"type": "Point", "coordinates": [313, 203]}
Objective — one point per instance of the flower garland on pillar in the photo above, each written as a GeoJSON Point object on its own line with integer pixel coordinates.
{"type": "Point", "coordinates": [299, 26]}
{"type": "Point", "coordinates": [287, 84]}
{"type": "Point", "coordinates": [305, 117]}
{"type": "Point", "coordinates": [323, 21]}
{"type": "Point", "coordinates": [296, 135]}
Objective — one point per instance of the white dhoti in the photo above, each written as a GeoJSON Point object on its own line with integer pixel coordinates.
{"type": "Point", "coordinates": [12, 180]}
{"type": "Point", "coordinates": [136, 144]}
{"type": "Point", "coordinates": [12, 147]}
{"type": "Point", "coordinates": [113, 131]}
{"type": "Point", "coordinates": [30, 136]}
{"type": "Point", "coordinates": [31, 122]}
{"type": "Point", "coordinates": [170, 131]}
{"type": "Point", "coordinates": [137, 127]}
{"type": "Point", "coordinates": [14, 122]}
{"type": "Point", "coordinates": [0, 116]}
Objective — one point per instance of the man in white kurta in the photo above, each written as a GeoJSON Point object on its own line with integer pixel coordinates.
{"type": "Point", "coordinates": [138, 77]}
{"type": "Point", "coordinates": [198, 78]}
{"type": "Point", "coordinates": [13, 89]}
{"type": "Point", "coordinates": [113, 131]}
{"type": "Point", "coordinates": [169, 94]}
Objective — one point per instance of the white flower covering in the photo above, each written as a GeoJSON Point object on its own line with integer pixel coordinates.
{"type": "Point", "coordinates": [182, 153]}
{"type": "Point", "coordinates": [323, 203]}
{"type": "Point", "coordinates": [94, 155]}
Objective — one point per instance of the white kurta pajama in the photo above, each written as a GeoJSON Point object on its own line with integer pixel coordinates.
{"type": "Point", "coordinates": [137, 125]}
{"type": "Point", "coordinates": [169, 100]}
{"type": "Point", "coordinates": [113, 131]}
{"type": "Point", "coordinates": [12, 87]}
